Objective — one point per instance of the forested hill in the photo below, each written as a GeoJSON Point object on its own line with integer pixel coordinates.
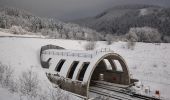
{"type": "Point", "coordinates": [139, 23]}
{"type": "Point", "coordinates": [20, 22]}
{"type": "Point", "coordinates": [118, 20]}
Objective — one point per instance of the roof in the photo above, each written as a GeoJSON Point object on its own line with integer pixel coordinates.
{"type": "Point", "coordinates": [75, 55]}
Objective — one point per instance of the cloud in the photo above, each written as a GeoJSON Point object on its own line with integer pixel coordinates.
{"type": "Point", "coordinates": [72, 9]}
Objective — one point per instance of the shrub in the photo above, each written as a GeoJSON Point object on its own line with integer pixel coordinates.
{"type": "Point", "coordinates": [6, 74]}
{"type": "Point", "coordinates": [58, 94]}
{"type": "Point", "coordinates": [131, 45]}
{"type": "Point", "coordinates": [90, 45]}
{"type": "Point", "coordinates": [29, 83]}
{"type": "Point", "coordinates": [17, 30]}
{"type": "Point", "coordinates": [144, 34]}
{"type": "Point", "coordinates": [132, 36]}
{"type": "Point", "coordinates": [2, 70]}
{"type": "Point", "coordinates": [109, 39]}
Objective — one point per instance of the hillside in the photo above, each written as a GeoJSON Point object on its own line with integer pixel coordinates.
{"type": "Point", "coordinates": [21, 22]}
{"type": "Point", "coordinates": [21, 54]}
{"type": "Point", "coordinates": [150, 66]}
{"type": "Point", "coordinates": [118, 20]}
{"type": "Point", "coordinates": [111, 25]}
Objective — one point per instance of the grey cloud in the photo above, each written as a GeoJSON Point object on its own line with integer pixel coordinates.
{"type": "Point", "coordinates": [72, 9]}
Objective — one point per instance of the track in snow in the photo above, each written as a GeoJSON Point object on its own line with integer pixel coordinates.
{"type": "Point", "coordinates": [117, 93]}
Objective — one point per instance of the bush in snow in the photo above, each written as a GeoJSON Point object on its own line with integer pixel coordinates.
{"type": "Point", "coordinates": [6, 74]}
{"type": "Point", "coordinates": [90, 45]}
{"type": "Point", "coordinates": [144, 34]}
{"type": "Point", "coordinates": [131, 45]}
{"type": "Point", "coordinates": [13, 87]}
{"type": "Point", "coordinates": [109, 39]}
{"type": "Point", "coordinates": [28, 86]}
{"type": "Point", "coordinates": [2, 70]}
{"type": "Point", "coordinates": [132, 36]}
{"type": "Point", "coordinates": [29, 83]}
{"type": "Point", "coordinates": [58, 94]}
{"type": "Point", "coordinates": [17, 30]}
{"type": "Point", "coordinates": [7, 78]}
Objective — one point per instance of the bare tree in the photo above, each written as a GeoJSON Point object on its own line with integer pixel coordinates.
{"type": "Point", "coordinates": [29, 83]}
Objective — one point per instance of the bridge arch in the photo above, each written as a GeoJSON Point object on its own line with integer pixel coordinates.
{"type": "Point", "coordinates": [81, 68]}
{"type": "Point", "coordinates": [124, 78]}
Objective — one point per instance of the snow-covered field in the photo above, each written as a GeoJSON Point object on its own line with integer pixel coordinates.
{"type": "Point", "coordinates": [148, 62]}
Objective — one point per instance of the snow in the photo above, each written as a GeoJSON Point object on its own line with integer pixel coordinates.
{"type": "Point", "coordinates": [6, 95]}
{"type": "Point", "coordinates": [23, 53]}
{"type": "Point", "coordinates": [148, 62]}
{"type": "Point", "coordinates": [143, 11]}
{"type": "Point", "coordinates": [7, 34]}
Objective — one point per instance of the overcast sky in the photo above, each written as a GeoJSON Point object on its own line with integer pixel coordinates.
{"type": "Point", "coordinates": [73, 9]}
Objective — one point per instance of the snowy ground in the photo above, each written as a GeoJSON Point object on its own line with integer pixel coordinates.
{"type": "Point", "coordinates": [147, 62]}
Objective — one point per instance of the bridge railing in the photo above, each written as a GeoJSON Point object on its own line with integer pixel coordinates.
{"type": "Point", "coordinates": [73, 54]}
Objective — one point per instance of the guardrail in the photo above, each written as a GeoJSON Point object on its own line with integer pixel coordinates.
{"type": "Point", "coordinates": [73, 54]}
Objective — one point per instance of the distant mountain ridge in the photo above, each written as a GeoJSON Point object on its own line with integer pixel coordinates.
{"type": "Point", "coordinates": [118, 20]}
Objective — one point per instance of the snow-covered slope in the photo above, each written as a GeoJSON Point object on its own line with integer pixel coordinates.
{"type": "Point", "coordinates": [147, 62]}
{"type": "Point", "coordinates": [22, 54]}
